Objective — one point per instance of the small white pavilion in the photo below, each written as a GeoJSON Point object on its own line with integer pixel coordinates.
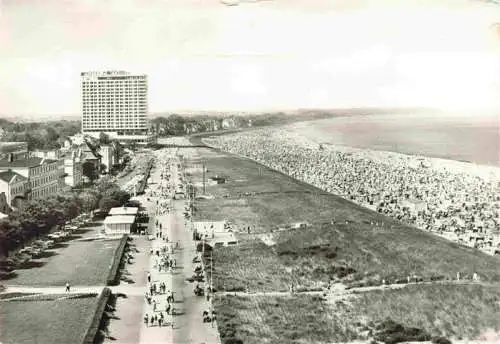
{"type": "Point", "coordinates": [118, 225]}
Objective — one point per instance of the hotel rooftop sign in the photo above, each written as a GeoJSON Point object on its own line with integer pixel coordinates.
{"type": "Point", "coordinates": [107, 73]}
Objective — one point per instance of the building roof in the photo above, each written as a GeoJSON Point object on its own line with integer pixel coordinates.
{"type": "Point", "coordinates": [13, 146]}
{"type": "Point", "coordinates": [9, 176]}
{"type": "Point", "coordinates": [88, 155]}
{"type": "Point", "coordinates": [29, 162]}
{"type": "Point", "coordinates": [116, 219]}
{"type": "Point", "coordinates": [123, 211]}
{"type": "Point", "coordinates": [206, 227]}
{"type": "Point", "coordinates": [222, 238]}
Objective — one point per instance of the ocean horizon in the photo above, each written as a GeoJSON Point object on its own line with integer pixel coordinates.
{"type": "Point", "coordinates": [474, 139]}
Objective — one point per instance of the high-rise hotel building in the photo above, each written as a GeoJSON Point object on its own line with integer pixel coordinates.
{"type": "Point", "coordinates": [116, 103]}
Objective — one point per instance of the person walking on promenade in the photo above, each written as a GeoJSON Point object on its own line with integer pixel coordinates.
{"type": "Point", "coordinates": [146, 319]}
{"type": "Point", "coordinates": [149, 277]}
{"type": "Point", "coordinates": [67, 287]}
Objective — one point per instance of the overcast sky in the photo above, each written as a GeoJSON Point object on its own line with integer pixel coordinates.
{"type": "Point", "coordinates": [273, 54]}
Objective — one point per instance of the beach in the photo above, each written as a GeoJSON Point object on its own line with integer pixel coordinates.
{"type": "Point", "coordinates": [454, 199]}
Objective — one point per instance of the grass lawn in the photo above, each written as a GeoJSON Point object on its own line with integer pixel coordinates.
{"type": "Point", "coordinates": [51, 320]}
{"type": "Point", "coordinates": [374, 246]}
{"type": "Point", "coordinates": [79, 262]}
{"type": "Point", "coordinates": [453, 312]}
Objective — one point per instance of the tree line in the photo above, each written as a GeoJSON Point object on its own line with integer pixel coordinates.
{"type": "Point", "coordinates": [35, 218]}
{"type": "Point", "coordinates": [39, 135]}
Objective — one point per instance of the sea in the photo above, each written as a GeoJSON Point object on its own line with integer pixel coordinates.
{"type": "Point", "coordinates": [466, 138]}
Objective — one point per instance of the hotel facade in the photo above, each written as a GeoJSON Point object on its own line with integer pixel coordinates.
{"type": "Point", "coordinates": [116, 103]}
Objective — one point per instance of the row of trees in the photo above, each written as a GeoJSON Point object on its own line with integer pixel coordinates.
{"type": "Point", "coordinates": [43, 135]}
{"type": "Point", "coordinates": [35, 218]}
{"type": "Point", "coordinates": [176, 125]}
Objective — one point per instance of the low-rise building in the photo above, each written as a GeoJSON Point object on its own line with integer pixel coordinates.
{"type": "Point", "coordinates": [118, 225]}
{"type": "Point", "coordinates": [54, 154]}
{"type": "Point", "coordinates": [125, 211]}
{"type": "Point", "coordinates": [107, 157]}
{"type": "Point", "coordinates": [5, 209]}
{"type": "Point", "coordinates": [73, 170]}
{"type": "Point", "coordinates": [19, 150]}
{"type": "Point", "coordinates": [120, 220]}
{"type": "Point", "coordinates": [14, 186]}
{"type": "Point", "coordinates": [43, 174]}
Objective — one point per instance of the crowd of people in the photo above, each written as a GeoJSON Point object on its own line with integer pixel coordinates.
{"type": "Point", "coordinates": [430, 194]}
{"type": "Point", "coordinates": [159, 300]}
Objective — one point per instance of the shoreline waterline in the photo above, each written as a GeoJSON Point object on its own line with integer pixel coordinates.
{"type": "Point", "coordinates": [464, 139]}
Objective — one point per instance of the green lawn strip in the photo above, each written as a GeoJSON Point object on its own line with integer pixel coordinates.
{"type": "Point", "coordinates": [52, 321]}
{"type": "Point", "coordinates": [374, 246]}
{"type": "Point", "coordinates": [80, 263]}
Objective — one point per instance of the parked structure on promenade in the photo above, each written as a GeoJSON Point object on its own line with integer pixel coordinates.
{"type": "Point", "coordinates": [120, 220]}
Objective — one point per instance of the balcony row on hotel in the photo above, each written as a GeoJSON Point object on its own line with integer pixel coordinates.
{"type": "Point", "coordinates": [26, 175]}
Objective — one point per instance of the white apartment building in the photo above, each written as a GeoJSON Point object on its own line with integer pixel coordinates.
{"type": "Point", "coordinates": [53, 154]}
{"type": "Point", "coordinates": [73, 168]}
{"type": "Point", "coordinates": [43, 174]}
{"type": "Point", "coordinates": [107, 156]}
{"type": "Point", "coordinates": [14, 186]}
{"type": "Point", "coordinates": [116, 103]}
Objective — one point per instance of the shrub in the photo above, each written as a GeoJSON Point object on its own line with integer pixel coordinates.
{"type": "Point", "coordinates": [90, 336]}
{"type": "Point", "coordinates": [391, 332]}
{"type": "Point", "coordinates": [113, 275]}
{"type": "Point", "coordinates": [233, 341]}
{"type": "Point", "coordinates": [441, 340]}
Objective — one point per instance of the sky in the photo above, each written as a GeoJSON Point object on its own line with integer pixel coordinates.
{"type": "Point", "coordinates": [256, 55]}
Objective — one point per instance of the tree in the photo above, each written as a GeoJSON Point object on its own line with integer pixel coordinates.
{"type": "Point", "coordinates": [104, 138]}
{"type": "Point", "coordinates": [89, 170]}
{"type": "Point", "coordinates": [88, 200]}
{"type": "Point", "coordinates": [106, 203]}
{"type": "Point", "coordinates": [104, 184]}
{"type": "Point", "coordinates": [11, 236]}
{"type": "Point", "coordinates": [118, 195]}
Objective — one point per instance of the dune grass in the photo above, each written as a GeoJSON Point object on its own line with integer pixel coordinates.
{"type": "Point", "coordinates": [275, 320]}
{"type": "Point", "coordinates": [459, 311]}
{"type": "Point", "coordinates": [452, 312]}
{"type": "Point", "coordinates": [51, 320]}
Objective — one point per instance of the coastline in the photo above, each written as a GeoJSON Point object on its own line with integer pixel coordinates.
{"type": "Point", "coordinates": [439, 164]}
{"type": "Point", "coordinates": [488, 174]}
{"type": "Point", "coordinates": [455, 138]}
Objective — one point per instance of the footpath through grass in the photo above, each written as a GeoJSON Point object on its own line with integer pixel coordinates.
{"type": "Point", "coordinates": [48, 320]}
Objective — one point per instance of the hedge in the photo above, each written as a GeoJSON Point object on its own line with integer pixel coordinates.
{"type": "Point", "coordinates": [91, 334]}
{"type": "Point", "coordinates": [113, 275]}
